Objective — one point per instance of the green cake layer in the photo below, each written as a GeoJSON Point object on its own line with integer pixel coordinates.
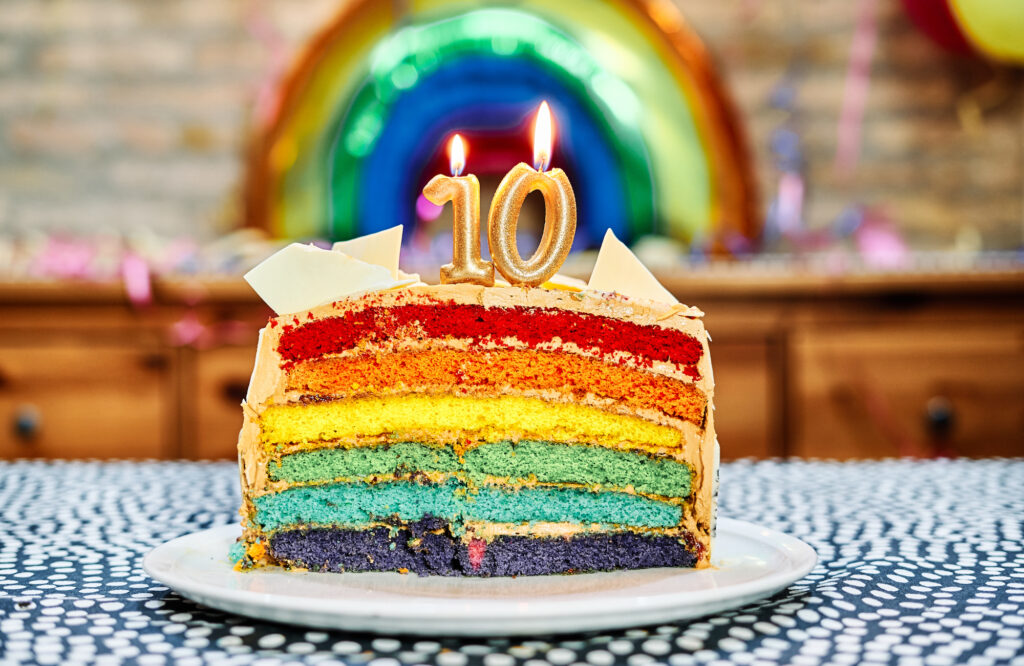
{"type": "Point", "coordinates": [547, 462]}
{"type": "Point", "coordinates": [330, 464]}
{"type": "Point", "coordinates": [551, 462]}
{"type": "Point", "coordinates": [357, 504]}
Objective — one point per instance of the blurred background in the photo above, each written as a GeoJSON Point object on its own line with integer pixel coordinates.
{"type": "Point", "coordinates": [838, 184]}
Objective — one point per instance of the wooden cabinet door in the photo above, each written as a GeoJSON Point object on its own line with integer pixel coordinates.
{"type": "Point", "coordinates": [222, 378]}
{"type": "Point", "coordinates": [863, 391]}
{"type": "Point", "coordinates": [65, 400]}
{"type": "Point", "coordinates": [746, 401]}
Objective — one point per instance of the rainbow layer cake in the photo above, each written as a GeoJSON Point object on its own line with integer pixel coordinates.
{"type": "Point", "coordinates": [486, 431]}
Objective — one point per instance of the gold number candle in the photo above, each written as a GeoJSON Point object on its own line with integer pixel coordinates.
{"type": "Point", "coordinates": [559, 213]}
{"type": "Point", "coordinates": [464, 193]}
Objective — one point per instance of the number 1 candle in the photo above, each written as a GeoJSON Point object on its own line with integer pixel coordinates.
{"type": "Point", "coordinates": [559, 213]}
{"type": "Point", "coordinates": [464, 193]}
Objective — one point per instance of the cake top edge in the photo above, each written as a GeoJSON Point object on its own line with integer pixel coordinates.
{"type": "Point", "coordinates": [301, 278]}
{"type": "Point", "coordinates": [585, 301]}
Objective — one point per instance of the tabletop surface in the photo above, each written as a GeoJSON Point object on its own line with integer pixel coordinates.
{"type": "Point", "coordinates": [920, 562]}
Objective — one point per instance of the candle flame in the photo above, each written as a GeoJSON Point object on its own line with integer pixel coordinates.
{"type": "Point", "coordinates": [457, 155]}
{"type": "Point", "coordinates": [542, 138]}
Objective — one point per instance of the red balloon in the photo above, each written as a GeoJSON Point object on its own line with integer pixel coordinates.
{"type": "Point", "coordinates": [935, 19]}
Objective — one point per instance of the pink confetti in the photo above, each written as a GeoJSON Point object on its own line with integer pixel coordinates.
{"type": "Point", "coordinates": [427, 211]}
{"type": "Point", "coordinates": [137, 283]}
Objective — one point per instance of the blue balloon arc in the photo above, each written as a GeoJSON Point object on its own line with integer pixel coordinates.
{"type": "Point", "coordinates": [489, 94]}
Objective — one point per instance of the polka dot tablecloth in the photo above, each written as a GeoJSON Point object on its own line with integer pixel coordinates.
{"type": "Point", "coordinates": [920, 563]}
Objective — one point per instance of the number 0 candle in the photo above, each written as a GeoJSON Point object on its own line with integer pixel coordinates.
{"type": "Point", "coordinates": [559, 213]}
{"type": "Point", "coordinates": [464, 193]}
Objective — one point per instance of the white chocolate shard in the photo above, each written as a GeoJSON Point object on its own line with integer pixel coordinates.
{"type": "Point", "coordinates": [557, 281]}
{"type": "Point", "coordinates": [381, 248]}
{"type": "Point", "coordinates": [413, 278]}
{"type": "Point", "coordinates": [618, 270]}
{"type": "Point", "coordinates": [300, 277]}
{"type": "Point", "coordinates": [565, 283]}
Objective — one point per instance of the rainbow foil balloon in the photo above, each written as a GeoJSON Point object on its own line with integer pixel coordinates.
{"type": "Point", "coordinates": [643, 128]}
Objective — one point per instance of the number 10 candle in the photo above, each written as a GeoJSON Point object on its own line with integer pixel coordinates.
{"type": "Point", "coordinates": [559, 213]}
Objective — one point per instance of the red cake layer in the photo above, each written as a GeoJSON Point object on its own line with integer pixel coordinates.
{"type": "Point", "coordinates": [481, 325]}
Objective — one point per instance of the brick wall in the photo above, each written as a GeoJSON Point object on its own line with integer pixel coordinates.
{"type": "Point", "coordinates": [128, 114]}
{"type": "Point", "coordinates": [933, 174]}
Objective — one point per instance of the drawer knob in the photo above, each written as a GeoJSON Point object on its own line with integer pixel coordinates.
{"type": "Point", "coordinates": [28, 421]}
{"type": "Point", "coordinates": [940, 417]}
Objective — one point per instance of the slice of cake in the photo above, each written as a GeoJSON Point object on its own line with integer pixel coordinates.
{"type": "Point", "coordinates": [486, 431]}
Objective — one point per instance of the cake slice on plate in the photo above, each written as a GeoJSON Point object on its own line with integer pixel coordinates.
{"type": "Point", "coordinates": [468, 430]}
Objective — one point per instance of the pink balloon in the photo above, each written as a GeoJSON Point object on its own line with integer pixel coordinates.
{"type": "Point", "coordinates": [427, 211]}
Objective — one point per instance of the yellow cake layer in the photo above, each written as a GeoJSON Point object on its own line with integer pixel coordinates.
{"type": "Point", "coordinates": [403, 417]}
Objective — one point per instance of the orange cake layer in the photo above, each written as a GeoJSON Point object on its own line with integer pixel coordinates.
{"type": "Point", "coordinates": [452, 370]}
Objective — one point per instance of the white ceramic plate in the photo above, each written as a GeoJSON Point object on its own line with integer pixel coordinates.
{"type": "Point", "coordinates": [750, 563]}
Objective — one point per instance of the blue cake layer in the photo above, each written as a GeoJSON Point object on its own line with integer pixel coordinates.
{"type": "Point", "coordinates": [355, 504]}
{"type": "Point", "coordinates": [427, 547]}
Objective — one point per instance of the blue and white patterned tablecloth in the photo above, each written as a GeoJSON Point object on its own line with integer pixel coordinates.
{"type": "Point", "coordinates": [920, 562]}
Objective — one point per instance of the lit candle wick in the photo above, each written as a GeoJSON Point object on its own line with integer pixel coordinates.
{"type": "Point", "coordinates": [542, 138]}
{"type": "Point", "coordinates": [457, 155]}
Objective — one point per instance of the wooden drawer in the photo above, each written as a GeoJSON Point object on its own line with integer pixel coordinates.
{"type": "Point", "coordinates": [82, 401]}
{"type": "Point", "coordinates": [745, 416]}
{"type": "Point", "coordinates": [863, 391]}
{"type": "Point", "coordinates": [222, 378]}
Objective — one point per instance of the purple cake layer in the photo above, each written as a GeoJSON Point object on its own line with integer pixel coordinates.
{"type": "Point", "coordinates": [428, 548]}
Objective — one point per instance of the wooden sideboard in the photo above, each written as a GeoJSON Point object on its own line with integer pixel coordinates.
{"type": "Point", "coordinates": [807, 365]}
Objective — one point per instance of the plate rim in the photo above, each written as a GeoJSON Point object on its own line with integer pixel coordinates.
{"type": "Point", "coordinates": [480, 610]}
